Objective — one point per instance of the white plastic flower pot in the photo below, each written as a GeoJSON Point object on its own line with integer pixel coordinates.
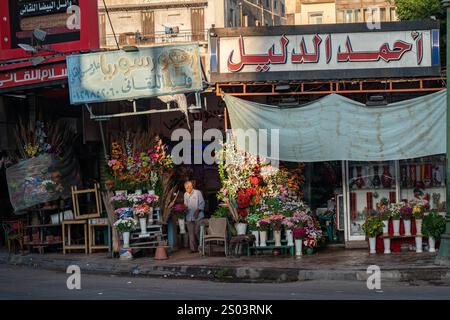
{"type": "Point", "coordinates": [432, 244]}
{"type": "Point", "coordinates": [256, 234]}
{"type": "Point", "coordinates": [289, 237]}
{"type": "Point", "coordinates": [396, 224]}
{"type": "Point", "coordinates": [419, 244]}
{"type": "Point", "coordinates": [262, 238]}
{"type": "Point", "coordinates": [387, 245]}
{"type": "Point", "coordinates": [277, 237]}
{"type": "Point", "coordinates": [298, 247]}
{"type": "Point", "coordinates": [407, 224]}
{"type": "Point", "coordinates": [241, 229]}
{"type": "Point", "coordinates": [419, 226]}
{"type": "Point", "coordinates": [372, 244]}
{"type": "Point", "coordinates": [385, 226]}
{"type": "Point", "coordinates": [143, 223]}
{"type": "Point", "coordinates": [182, 225]}
{"type": "Point", "coordinates": [126, 239]}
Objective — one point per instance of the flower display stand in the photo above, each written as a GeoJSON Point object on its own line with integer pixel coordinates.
{"type": "Point", "coordinates": [150, 238]}
{"type": "Point", "coordinates": [284, 248]}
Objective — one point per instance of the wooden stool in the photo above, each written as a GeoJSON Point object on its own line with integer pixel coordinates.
{"type": "Point", "coordinates": [69, 246]}
{"type": "Point", "coordinates": [94, 223]}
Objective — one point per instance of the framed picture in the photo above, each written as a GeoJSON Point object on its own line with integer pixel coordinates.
{"type": "Point", "coordinates": [86, 203]}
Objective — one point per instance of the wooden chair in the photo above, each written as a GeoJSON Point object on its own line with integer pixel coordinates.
{"type": "Point", "coordinates": [216, 231]}
{"type": "Point", "coordinates": [81, 218]}
{"type": "Point", "coordinates": [14, 233]}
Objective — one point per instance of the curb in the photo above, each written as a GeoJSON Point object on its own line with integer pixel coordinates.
{"type": "Point", "coordinates": [229, 274]}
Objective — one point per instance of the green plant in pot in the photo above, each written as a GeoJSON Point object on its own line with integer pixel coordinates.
{"type": "Point", "coordinates": [372, 227]}
{"type": "Point", "coordinates": [433, 226]}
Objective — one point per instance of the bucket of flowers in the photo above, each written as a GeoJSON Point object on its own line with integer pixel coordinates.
{"type": "Point", "coordinates": [406, 213]}
{"type": "Point", "coordinates": [125, 224]}
{"type": "Point", "coordinates": [276, 221]}
{"type": "Point", "coordinates": [153, 202]}
{"type": "Point", "coordinates": [180, 211]}
{"type": "Point", "coordinates": [142, 212]}
{"type": "Point", "coordinates": [299, 234]}
{"type": "Point", "coordinates": [120, 201]}
{"type": "Point", "coordinates": [263, 225]}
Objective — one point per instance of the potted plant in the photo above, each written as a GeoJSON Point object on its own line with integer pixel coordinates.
{"type": "Point", "coordinates": [276, 222]}
{"type": "Point", "coordinates": [263, 226]}
{"type": "Point", "coordinates": [299, 234]}
{"type": "Point", "coordinates": [406, 213]}
{"type": "Point", "coordinates": [385, 213]}
{"type": "Point", "coordinates": [252, 220]}
{"type": "Point", "coordinates": [372, 227]}
{"type": "Point", "coordinates": [180, 210]}
{"type": "Point", "coordinates": [433, 227]}
{"type": "Point", "coordinates": [395, 214]}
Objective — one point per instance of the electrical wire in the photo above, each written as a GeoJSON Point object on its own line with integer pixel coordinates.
{"type": "Point", "coordinates": [110, 23]}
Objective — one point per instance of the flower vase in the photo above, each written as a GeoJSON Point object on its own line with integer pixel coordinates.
{"type": "Point", "coordinates": [407, 225]}
{"type": "Point", "coordinates": [143, 223]}
{"type": "Point", "coordinates": [432, 244]}
{"type": "Point", "coordinates": [256, 234]}
{"type": "Point", "coordinates": [419, 226]}
{"type": "Point", "coordinates": [419, 244]}
{"type": "Point", "coordinates": [387, 245]}
{"type": "Point", "coordinates": [277, 237]}
{"type": "Point", "coordinates": [262, 238]}
{"type": "Point", "coordinates": [386, 178]}
{"type": "Point", "coordinates": [298, 247]}
{"type": "Point", "coordinates": [182, 225]}
{"type": "Point", "coordinates": [372, 244]}
{"type": "Point", "coordinates": [289, 237]}
{"type": "Point", "coordinates": [396, 224]}
{"type": "Point", "coordinates": [126, 239]}
{"type": "Point", "coordinates": [241, 229]}
{"type": "Point", "coordinates": [385, 226]}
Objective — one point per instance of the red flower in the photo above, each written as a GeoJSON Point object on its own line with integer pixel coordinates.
{"type": "Point", "coordinates": [254, 181]}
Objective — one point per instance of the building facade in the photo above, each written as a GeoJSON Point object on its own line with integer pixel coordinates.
{"type": "Point", "coordinates": [145, 22]}
{"type": "Point", "coordinates": [339, 11]}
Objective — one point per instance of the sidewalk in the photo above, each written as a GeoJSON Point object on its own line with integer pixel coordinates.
{"type": "Point", "coordinates": [328, 264]}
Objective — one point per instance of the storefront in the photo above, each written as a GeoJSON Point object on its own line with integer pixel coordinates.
{"type": "Point", "coordinates": [295, 66]}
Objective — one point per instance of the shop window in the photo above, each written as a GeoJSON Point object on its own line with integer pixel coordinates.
{"type": "Point", "coordinates": [368, 183]}
{"type": "Point", "coordinates": [424, 178]}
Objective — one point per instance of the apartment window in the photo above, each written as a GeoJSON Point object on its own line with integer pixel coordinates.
{"type": "Point", "coordinates": [349, 16]}
{"type": "Point", "coordinates": [275, 4]}
{"type": "Point", "coordinates": [394, 14]}
{"type": "Point", "coordinates": [315, 18]}
{"type": "Point", "coordinates": [245, 20]}
{"type": "Point", "coordinates": [358, 16]}
{"type": "Point", "coordinates": [283, 9]}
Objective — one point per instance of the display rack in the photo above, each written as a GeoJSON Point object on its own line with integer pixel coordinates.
{"type": "Point", "coordinates": [152, 238]}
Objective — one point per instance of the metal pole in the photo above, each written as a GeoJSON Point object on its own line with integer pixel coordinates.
{"type": "Point", "coordinates": [444, 250]}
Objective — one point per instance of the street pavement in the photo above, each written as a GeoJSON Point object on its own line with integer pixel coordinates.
{"type": "Point", "coordinates": [19, 283]}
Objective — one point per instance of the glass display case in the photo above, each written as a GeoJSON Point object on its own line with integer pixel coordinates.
{"type": "Point", "coordinates": [368, 183]}
{"type": "Point", "coordinates": [424, 178]}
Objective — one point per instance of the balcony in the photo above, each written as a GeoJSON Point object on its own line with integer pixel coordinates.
{"type": "Point", "coordinates": [133, 39]}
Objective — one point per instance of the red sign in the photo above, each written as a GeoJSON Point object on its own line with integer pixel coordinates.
{"type": "Point", "coordinates": [71, 31]}
{"type": "Point", "coordinates": [24, 77]}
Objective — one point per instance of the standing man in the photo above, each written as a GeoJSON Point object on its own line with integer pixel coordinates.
{"type": "Point", "coordinates": [193, 200]}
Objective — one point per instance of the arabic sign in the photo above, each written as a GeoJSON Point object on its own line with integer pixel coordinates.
{"type": "Point", "coordinates": [120, 75]}
{"type": "Point", "coordinates": [316, 55]}
{"type": "Point", "coordinates": [38, 75]}
{"type": "Point", "coordinates": [29, 8]}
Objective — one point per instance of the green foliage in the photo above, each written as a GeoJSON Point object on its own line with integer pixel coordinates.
{"type": "Point", "coordinates": [433, 225]}
{"type": "Point", "coordinates": [373, 226]}
{"type": "Point", "coordinates": [221, 212]}
{"type": "Point", "coordinates": [419, 9]}
{"type": "Point", "coordinates": [252, 220]}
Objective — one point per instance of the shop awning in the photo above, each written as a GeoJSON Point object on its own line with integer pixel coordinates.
{"type": "Point", "coordinates": [338, 128]}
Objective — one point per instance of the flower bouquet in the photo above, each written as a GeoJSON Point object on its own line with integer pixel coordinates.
{"type": "Point", "coordinates": [180, 211]}
{"type": "Point", "coordinates": [120, 201]}
{"type": "Point", "coordinates": [125, 225]}
{"type": "Point", "coordinates": [395, 214]}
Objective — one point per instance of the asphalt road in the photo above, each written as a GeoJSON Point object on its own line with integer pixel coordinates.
{"type": "Point", "coordinates": [18, 283]}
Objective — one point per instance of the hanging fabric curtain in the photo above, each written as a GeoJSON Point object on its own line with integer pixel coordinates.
{"type": "Point", "coordinates": [337, 128]}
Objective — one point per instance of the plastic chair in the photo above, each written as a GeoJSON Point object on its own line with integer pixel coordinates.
{"type": "Point", "coordinates": [14, 232]}
{"type": "Point", "coordinates": [216, 231]}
